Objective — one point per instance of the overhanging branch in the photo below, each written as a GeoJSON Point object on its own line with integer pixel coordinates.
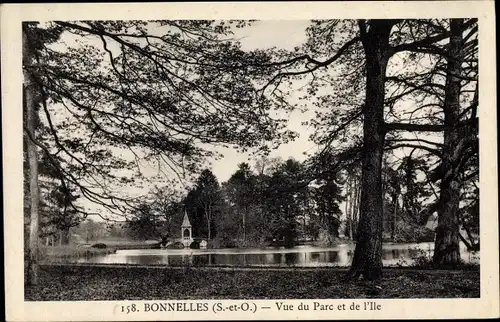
{"type": "Point", "coordinates": [417, 146]}
{"type": "Point", "coordinates": [317, 63]}
{"type": "Point", "coordinates": [414, 127]}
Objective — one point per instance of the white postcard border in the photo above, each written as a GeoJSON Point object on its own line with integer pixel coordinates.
{"type": "Point", "coordinates": [12, 15]}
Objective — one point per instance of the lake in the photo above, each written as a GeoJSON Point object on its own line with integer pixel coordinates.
{"type": "Point", "coordinates": [300, 256]}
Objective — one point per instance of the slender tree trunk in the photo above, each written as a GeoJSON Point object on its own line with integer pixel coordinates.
{"type": "Point", "coordinates": [347, 213]}
{"type": "Point", "coordinates": [473, 243]}
{"type": "Point", "coordinates": [394, 216]}
{"type": "Point", "coordinates": [207, 212]}
{"type": "Point", "coordinates": [367, 259]}
{"type": "Point", "coordinates": [465, 241]}
{"type": "Point", "coordinates": [352, 207]}
{"type": "Point", "coordinates": [244, 224]}
{"type": "Point", "coordinates": [304, 227]}
{"type": "Point", "coordinates": [65, 236]}
{"type": "Point", "coordinates": [447, 250]}
{"type": "Point", "coordinates": [350, 230]}
{"type": "Point", "coordinates": [357, 199]}
{"type": "Point", "coordinates": [30, 105]}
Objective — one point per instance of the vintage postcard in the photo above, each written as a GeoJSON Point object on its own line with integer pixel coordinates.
{"type": "Point", "coordinates": [261, 160]}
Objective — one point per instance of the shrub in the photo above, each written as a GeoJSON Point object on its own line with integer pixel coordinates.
{"type": "Point", "coordinates": [221, 243]}
{"type": "Point", "coordinates": [325, 238]}
{"type": "Point", "coordinates": [99, 245]}
{"type": "Point", "coordinates": [251, 242]}
{"type": "Point", "coordinates": [176, 245]}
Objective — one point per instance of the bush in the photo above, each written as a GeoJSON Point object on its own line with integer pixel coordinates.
{"type": "Point", "coordinates": [195, 245]}
{"type": "Point", "coordinates": [176, 245]}
{"type": "Point", "coordinates": [410, 234]}
{"type": "Point", "coordinates": [325, 238]}
{"type": "Point", "coordinates": [251, 242]}
{"type": "Point", "coordinates": [220, 243]}
{"type": "Point", "coordinates": [421, 258]}
{"type": "Point", "coordinates": [418, 258]}
{"type": "Point", "coordinates": [99, 245]}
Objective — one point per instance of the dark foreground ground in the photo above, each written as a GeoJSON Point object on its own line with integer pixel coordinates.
{"type": "Point", "coordinates": [74, 283]}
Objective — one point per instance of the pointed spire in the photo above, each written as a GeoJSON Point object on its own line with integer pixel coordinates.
{"type": "Point", "coordinates": [185, 221]}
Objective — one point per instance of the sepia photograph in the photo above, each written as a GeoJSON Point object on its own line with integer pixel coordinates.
{"type": "Point", "coordinates": [167, 162]}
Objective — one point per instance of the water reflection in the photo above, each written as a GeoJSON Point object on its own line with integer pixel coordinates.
{"type": "Point", "coordinates": [296, 259]}
{"type": "Point", "coordinates": [340, 255]}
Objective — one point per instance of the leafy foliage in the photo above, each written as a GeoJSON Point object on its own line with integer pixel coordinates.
{"type": "Point", "coordinates": [144, 224]}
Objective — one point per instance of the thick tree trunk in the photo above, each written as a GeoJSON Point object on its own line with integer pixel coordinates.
{"type": "Point", "coordinates": [367, 259]}
{"type": "Point", "coordinates": [447, 250]}
{"type": "Point", "coordinates": [33, 168]}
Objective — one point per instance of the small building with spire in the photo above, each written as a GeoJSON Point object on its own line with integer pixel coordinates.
{"type": "Point", "coordinates": [186, 231]}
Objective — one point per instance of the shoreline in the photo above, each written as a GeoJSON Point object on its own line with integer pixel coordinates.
{"type": "Point", "coordinates": [263, 268]}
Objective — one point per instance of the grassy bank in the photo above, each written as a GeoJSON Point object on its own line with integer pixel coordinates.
{"type": "Point", "coordinates": [129, 244]}
{"type": "Point", "coordinates": [73, 283]}
{"type": "Point", "coordinates": [72, 251]}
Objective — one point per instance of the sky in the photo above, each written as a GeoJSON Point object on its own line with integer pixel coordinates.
{"type": "Point", "coordinates": [285, 34]}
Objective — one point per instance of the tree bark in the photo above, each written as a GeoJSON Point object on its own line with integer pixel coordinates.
{"type": "Point", "coordinates": [367, 261]}
{"type": "Point", "coordinates": [447, 250]}
{"type": "Point", "coordinates": [30, 106]}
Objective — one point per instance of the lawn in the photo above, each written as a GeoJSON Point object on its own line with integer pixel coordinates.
{"type": "Point", "coordinates": [76, 251]}
{"type": "Point", "coordinates": [76, 283]}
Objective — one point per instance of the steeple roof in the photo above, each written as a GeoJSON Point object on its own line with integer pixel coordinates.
{"type": "Point", "coordinates": [185, 221]}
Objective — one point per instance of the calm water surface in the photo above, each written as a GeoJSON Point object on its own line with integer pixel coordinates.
{"type": "Point", "coordinates": [309, 256]}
